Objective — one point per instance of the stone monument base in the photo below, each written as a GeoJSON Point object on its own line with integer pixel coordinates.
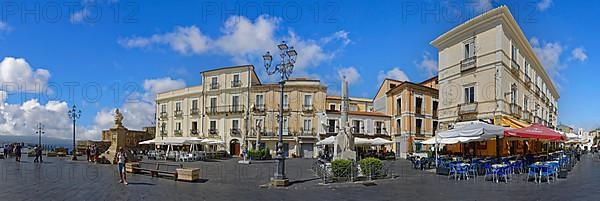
{"type": "Point", "coordinates": [280, 182]}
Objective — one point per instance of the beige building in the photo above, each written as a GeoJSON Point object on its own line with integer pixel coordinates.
{"type": "Point", "coordinates": [232, 101]}
{"type": "Point", "coordinates": [364, 122]}
{"type": "Point", "coordinates": [412, 108]}
{"type": "Point", "coordinates": [334, 103]}
{"type": "Point", "coordinates": [489, 71]}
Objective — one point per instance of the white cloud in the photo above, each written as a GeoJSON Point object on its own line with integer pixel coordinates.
{"type": "Point", "coordinates": [395, 73]}
{"type": "Point", "coordinates": [544, 4]}
{"type": "Point", "coordinates": [4, 27]}
{"type": "Point", "coordinates": [428, 64]}
{"type": "Point", "coordinates": [160, 85]}
{"type": "Point", "coordinates": [184, 40]}
{"type": "Point", "coordinates": [350, 74]}
{"type": "Point", "coordinates": [18, 73]}
{"type": "Point", "coordinates": [245, 41]}
{"type": "Point", "coordinates": [549, 54]}
{"type": "Point", "coordinates": [578, 54]}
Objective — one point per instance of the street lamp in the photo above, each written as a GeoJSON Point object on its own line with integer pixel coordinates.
{"type": "Point", "coordinates": [39, 130]}
{"type": "Point", "coordinates": [74, 114]}
{"type": "Point", "coordinates": [284, 68]}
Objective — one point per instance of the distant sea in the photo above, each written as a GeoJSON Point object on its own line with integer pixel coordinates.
{"type": "Point", "coordinates": [33, 140]}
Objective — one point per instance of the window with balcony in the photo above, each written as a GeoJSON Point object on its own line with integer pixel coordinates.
{"type": "Point", "coordinates": [194, 109]}
{"type": "Point", "coordinates": [163, 108]}
{"type": "Point", "coordinates": [399, 106]}
{"type": "Point", "coordinates": [356, 126]}
{"type": "Point", "coordinates": [285, 101]}
{"type": "Point", "coordinates": [235, 127]}
{"type": "Point", "coordinates": [435, 109]}
{"type": "Point", "coordinates": [469, 59]}
{"type": "Point", "coordinates": [194, 129]}
{"type": "Point", "coordinates": [178, 129]}
{"type": "Point", "coordinates": [260, 102]}
{"type": "Point", "coordinates": [307, 127]}
{"type": "Point", "coordinates": [418, 126]}
{"type": "Point", "coordinates": [331, 126]}
{"type": "Point", "coordinates": [285, 126]}
{"type": "Point", "coordinates": [236, 81]}
{"type": "Point", "coordinates": [213, 105]}
{"type": "Point", "coordinates": [419, 105]}
{"type": "Point", "coordinates": [308, 102]}
{"type": "Point", "coordinates": [212, 127]}
{"type": "Point", "coordinates": [513, 53]}
{"type": "Point", "coordinates": [214, 82]}
{"type": "Point", "coordinates": [235, 104]}
{"type": "Point", "coordinates": [470, 94]}
{"type": "Point", "coordinates": [178, 111]}
{"type": "Point", "coordinates": [379, 127]}
{"type": "Point", "coordinates": [469, 48]}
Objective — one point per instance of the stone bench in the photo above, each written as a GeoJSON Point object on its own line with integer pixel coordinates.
{"type": "Point", "coordinates": [156, 168]}
{"type": "Point", "coordinates": [51, 154]}
{"type": "Point", "coordinates": [188, 174]}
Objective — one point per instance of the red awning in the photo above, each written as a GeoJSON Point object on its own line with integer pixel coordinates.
{"type": "Point", "coordinates": [536, 131]}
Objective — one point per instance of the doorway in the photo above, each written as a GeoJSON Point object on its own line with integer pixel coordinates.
{"type": "Point", "coordinates": [234, 147]}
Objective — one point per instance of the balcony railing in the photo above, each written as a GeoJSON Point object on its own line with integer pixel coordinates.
{"type": "Point", "coordinates": [307, 108]}
{"type": "Point", "coordinates": [515, 110]}
{"type": "Point", "coordinates": [419, 111]}
{"type": "Point", "coordinates": [225, 109]}
{"type": "Point", "coordinates": [214, 86]}
{"type": "Point", "coordinates": [194, 111]}
{"type": "Point", "coordinates": [213, 131]}
{"type": "Point", "coordinates": [164, 115]}
{"type": "Point", "coordinates": [178, 133]}
{"type": "Point", "coordinates": [178, 113]}
{"type": "Point", "coordinates": [468, 63]}
{"type": "Point", "coordinates": [467, 108]}
{"type": "Point", "coordinates": [307, 132]}
{"type": "Point", "coordinates": [514, 67]}
{"type": "Point", "coordinates": [235, 132]}
{"type": "Point", "coordinates": [194, 131]}
{"type": "Point", "coordinates": [236, 83]}
{"type": "Point", "coordinates": [259, 108]}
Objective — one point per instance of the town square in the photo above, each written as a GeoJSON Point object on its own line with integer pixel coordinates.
{"type": "Point", "coordinates": [299, 100]}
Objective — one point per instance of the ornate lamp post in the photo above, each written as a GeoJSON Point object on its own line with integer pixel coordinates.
{"type": "Point", "coordinates": [39, 130]}
{"type": "Point", "coordinates": [284, 68]}
{"type": "Point", "coordinates": [74, 114]}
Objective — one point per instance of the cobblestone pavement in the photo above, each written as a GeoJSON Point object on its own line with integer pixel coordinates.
{"type": "Point", "coordinates": [61, 179]}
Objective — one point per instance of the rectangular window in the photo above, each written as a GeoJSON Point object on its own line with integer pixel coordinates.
{"type": "Point", "coordinates": [435, 127]}
{"type": "Point", "coordinates": [236, 78]}
{"type": "Point", "coordinates": [418, 126]}
{"type": "Point", "coordinates": [379, 127]}
{"type": "Point", "coordinates": [285, 126]}
{"type": "Point", "coordinates": [260, 101]}
{"type": "Point", "coordinates": [235, 124]}
{"type": "Point", "coordinates": [419, 105]}
{"type": "Point", "coordinates": [235, 103]}
{"type": "Point", "coordinates": [307, 125]}
{"type": "Point", "coordinates": [526, 68]}
{"type": "Point", "coordinates": [163, 108]}
{"type": "Point", "coordinates": [399, 125]}
{"type": "Point", "coordinates": [213, 103]}
{"type": "Point", "coordinates": [331, 126]}
{"type": "Point", "coordinates": [178, 126]}
{"type": "Point", "coordinates": [467, 50]}
{"type": "Point", "coordinates": [470, 94]}
{"type": "Point", "coordinates": [356, 126]}
{"type": "Point", "coordinates": [307, 100]}
{"type": "Point", "coordinates": [178, 106]}
{"type": "Point", "coordinates": [214, 82]}
{"type": "Point", "coordinates": [285, 100]}
{"type": "Point", "coordinates": [526, 103]}
{"type": "Point", "coordinates": [213, 125]}
{"type": "Point", "coordinates": [514, 53]}
{"type": "Point", "coordinates": [332, 107]}
{"type": "Point", "coordinates": [398, 106]}
{"type": "Point", "coordinates": [194, 125]}
{"type": "Point", "coordinates": [194, 104]}
{"type": "Point", "coordinates": [435, 108]}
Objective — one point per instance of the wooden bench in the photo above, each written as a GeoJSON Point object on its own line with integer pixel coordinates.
{"type": "Point", "coordinates": [156, 168]}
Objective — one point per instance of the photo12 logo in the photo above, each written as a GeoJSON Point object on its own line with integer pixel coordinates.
{"type": "Point", "coordinates": [72, 11]}
{"type": "Point", "coordinates": [319, 12]}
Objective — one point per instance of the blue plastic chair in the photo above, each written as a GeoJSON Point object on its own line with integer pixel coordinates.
{"type": "Point", "coordinates": [489, 171]}
{"type": "Point", "coordinates": [547, 172]}
{"type": "Point", "coordinates": [502, 172]}
{"type": "Point", "coordinates": [534, 171]}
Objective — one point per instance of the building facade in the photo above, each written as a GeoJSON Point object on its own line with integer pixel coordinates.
{"type": "Point", "coordinates": [412, 108]}
{"type": "Point", "coordinates": [488, 71]}
{"type": "Point", "coordinates": [232, 105]}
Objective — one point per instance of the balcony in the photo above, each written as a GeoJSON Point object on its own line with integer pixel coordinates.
{"type": "Point", "coordinates": [194, 111]}
{"type": "Point", "coordinates": [307, 108]}
{"type": "Point", "coordinates": [213, 131]}
{"type": "Point", "coordinates": [307, 132]}
{"type": "Point", "coordinates": [194, 131]}
{"type": "Point", "coordinates": [178, 133]}
{"type": "Point", "coordinates": [225, 109]}
{"type": "Point", "coordinates": [163, 116]}
{"type": "Point", "coordinates": [467, 111]}
{"type": "Point", "coordinates": [235, 132]}
{"type": "Point", "coordinates": [527, 80]}
{"type": "Point", "coordinates": [259, 108]}
{"type": "Point", "coordinates": [514, 67]}
{"type": "Point", "coordinates": [214, 86]}
{"type": "Point", "coordinates": [236, 83]}
{"type": "Point", "coordinates": [468, 64]}
{"type": "Point", "coordinates": [178, 113]}
{"type": "Point", "coordinates": [516, 111]}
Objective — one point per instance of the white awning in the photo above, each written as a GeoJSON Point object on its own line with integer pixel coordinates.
{"type": "Point", "coordinates": [147, 142]}
{"type": "Point", "coordinates": [175, 140]}
{"type": "Point", "coordinates": [380, 141]}
{"type": "Point", "coordinates": [473, 129]}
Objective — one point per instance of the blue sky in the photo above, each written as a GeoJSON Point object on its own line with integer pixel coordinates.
{"type": "Point", "coordinates": [135, 49]}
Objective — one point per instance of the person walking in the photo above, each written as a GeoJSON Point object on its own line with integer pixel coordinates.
{"type": "Point", "coordinates": [6, 147]}
{"type": "Point", "coordinates": [121, 158]}
{"type": "Point", "coordinates": [18, 152]}
{"type": "Point", "coordinates": [87, 153]}
{"type": "Point", "coordinates": [38, 152]}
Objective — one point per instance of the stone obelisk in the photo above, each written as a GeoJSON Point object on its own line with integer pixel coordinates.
{"type": "Point", "coordinates": [344, 141]}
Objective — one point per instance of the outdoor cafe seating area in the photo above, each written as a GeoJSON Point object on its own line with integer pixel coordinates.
{"type": "Point", "coordinates": [535, 152]}
{"type": "Point", "coordinates": [186, 149]}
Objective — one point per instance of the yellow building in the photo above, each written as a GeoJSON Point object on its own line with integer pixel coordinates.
{"type": "Point", "coordinates": [489, 71]}
{"type": "Point", "coordinates": [412, 108]}
{"type": "Point", "coordinates": [232, 101]}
